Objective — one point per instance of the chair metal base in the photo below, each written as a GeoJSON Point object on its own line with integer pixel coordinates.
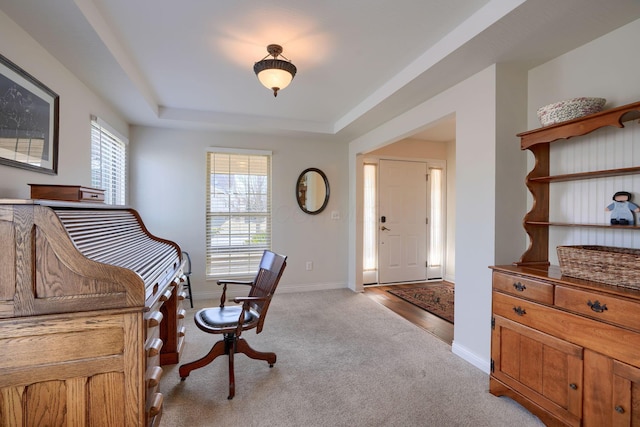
{"type": "Point", "coordinates": [229, 346]}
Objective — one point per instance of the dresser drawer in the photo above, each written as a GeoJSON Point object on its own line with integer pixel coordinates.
{"type": "Point", "coordinates": [91, 195]}
{"type": "Point", "coordinates": [73, 193]}
{"type": "Point", "coordinates": [599, 306]}
{"type": "Point", "coordinates": [522, 311]}
{"type": "Point", "coordinates": [522, 287]}
{"type": "Point", "coordinates": [574, 328]}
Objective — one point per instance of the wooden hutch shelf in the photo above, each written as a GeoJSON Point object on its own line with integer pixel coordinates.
{"type": "Point", "coordinates": [570, 224]}
{"type": "Point", "coordinates": [588, 175]}
{"type": "Point", "coordinates": [580, 126]}
{"type": "Point", "coordinates": [538, 141]}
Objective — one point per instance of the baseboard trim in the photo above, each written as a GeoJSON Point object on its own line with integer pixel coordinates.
{"type": "Point", "coordinates": [470, 357]}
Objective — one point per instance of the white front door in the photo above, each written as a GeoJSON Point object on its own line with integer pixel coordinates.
{"type": "Point", "coordinates": [402, 222]}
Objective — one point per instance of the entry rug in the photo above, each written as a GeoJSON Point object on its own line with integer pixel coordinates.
{"type": "Point", "coordinates": [436, 298]}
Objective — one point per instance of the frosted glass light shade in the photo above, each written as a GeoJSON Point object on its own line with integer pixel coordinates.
{"type": "Point", "coordinates": [275, 78]}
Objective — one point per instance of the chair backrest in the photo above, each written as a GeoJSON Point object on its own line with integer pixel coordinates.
{"type": "Point", "coordinates": [187, 264]}
{"type": "Point", "coordinates": [271, 267]}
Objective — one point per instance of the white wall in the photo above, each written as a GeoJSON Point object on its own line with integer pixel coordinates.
{"type": "Point", "coordinates": [511, 161]}
{"type": "Point", "coordinates": [168, 176]}
{"type": "Point", "coordinates": [77, 103]}
{"type": "Point", "coordinates": [475, 214]}
{"type": "Point", "coordinates": [450, 256]}
{"type": "Point", "coordinates": [607, 67]}
{"type": "Point", "coordinates": [411, 148]}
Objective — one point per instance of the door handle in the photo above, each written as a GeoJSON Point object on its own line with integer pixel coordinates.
{"type": "Point", "coordinates": [383, 228]}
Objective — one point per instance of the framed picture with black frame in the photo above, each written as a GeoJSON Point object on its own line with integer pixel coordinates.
{"type": "Point", "coordinates": [29, 115]}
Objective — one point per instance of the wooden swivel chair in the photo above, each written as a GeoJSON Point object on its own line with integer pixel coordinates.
{"type": "Point", "coordinates": [232, 320]}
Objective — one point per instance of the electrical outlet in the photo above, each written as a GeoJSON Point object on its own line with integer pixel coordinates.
{"type": "Point", "coordinates": [309, 265]}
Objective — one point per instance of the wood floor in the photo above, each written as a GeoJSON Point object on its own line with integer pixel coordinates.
{"type": "Point", "coordinates": [422, 318]}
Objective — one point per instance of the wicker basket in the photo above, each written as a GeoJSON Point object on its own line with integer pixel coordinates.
{"type": "Point", "coordinates": [569, 109]}
{"type": "Point", "coordinates": [604, 264]}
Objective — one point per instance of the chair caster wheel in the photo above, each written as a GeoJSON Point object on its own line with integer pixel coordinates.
{"type": "Point", "coordinates": [271, 365]}
{"type": "Point", "coordinates": [183, 378]}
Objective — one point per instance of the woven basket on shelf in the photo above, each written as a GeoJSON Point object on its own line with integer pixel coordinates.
{"type": "Point", "coordinates": [569, 109]}
{"type": "Point", "coordinates": [604, 264]}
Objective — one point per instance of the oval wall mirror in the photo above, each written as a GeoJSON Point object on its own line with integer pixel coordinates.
{"type": "Point", "coordinates": [312, 191]}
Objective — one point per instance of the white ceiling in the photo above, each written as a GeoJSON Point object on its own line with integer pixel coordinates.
{"type": "Point", "coordinates": [360, 63]}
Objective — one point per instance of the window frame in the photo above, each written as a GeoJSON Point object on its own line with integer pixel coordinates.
{"type": "Point", "coordinates": [114, 184]}
{"type": "Point", "coordinates": [242, 259]}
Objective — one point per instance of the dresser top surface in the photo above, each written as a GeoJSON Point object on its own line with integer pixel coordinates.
{"type": "Point", "coordinates": [553, 274]}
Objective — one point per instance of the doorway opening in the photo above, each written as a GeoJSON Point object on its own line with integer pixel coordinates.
{"type": "Point", "coordinates": [404, 220]}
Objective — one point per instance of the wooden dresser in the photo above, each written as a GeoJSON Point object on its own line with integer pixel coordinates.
{"type": "Point", "coordinates": [565, 348]}
{"type": "Point", "coordinates": [90, 307]}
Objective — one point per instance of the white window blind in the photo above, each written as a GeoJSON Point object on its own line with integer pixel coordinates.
{"type": "Point", "coordinates": [238, 211]}
{"type": "Point", "coordinates": [108, 162]}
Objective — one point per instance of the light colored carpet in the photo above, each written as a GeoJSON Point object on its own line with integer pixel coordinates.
{"type": "Point", "coordinates": [343, 360]}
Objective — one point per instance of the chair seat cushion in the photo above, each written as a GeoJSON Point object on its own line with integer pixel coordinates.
{"type": "Point", "coordinates": [225, 317]}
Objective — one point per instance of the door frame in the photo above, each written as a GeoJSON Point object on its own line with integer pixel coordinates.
{"type": "Point", "coordinates": [368, 278]}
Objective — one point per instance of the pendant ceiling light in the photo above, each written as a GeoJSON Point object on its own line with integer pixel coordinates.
{"type": "Point", "coordinates": [274, 73]}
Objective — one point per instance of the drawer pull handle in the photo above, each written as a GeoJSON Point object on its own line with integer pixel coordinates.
{"type": "Point", "coordinates": [156, 405]}
{"type": "Point", "coordinates": [519, 311]}
{"type": "Point", "coordinates": [155, 319]}
{"type": "Point", "coordinates": [154, 347]}
{"type": "Point", "coordinates": [619, 409]}
{"type": "Point", "coordinates": [154, 375]}
{"type": "Point", "coordinates": [596, 306]}
{"type": "Point", "coordinates": [519, 287]}
{"type": "Point", "coordinates": [167, 295]}
{"type": "Point", "coordinates": [573, 386]}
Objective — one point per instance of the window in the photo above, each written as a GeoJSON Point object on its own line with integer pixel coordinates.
{"type": "Point", "coordinates": [108, 162]}
{"type": "Point", "coordinates": [436, 220]}
{"type": "Point", "coordinates": [370, 227]}
{"type": "Point", "coordinates": [238, 211]}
